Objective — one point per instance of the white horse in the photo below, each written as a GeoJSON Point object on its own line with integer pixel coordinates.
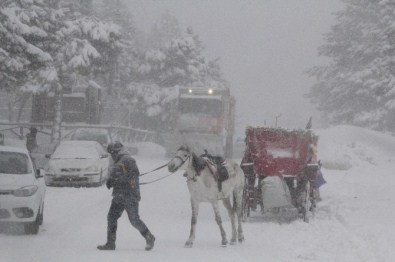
{"type": "Point", "coordinates": [203, 187]}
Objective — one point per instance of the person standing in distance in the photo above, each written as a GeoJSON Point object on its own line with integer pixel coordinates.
{"type": "Point", "coordinates": [31, 139]}
{"type": "Point", "coordinates": [124, 179]}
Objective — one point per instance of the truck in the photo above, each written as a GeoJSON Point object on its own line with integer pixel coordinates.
{"type": "Point", "coordinates": [204, 119]}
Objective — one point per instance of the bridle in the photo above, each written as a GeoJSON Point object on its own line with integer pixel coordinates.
{"type": "Point", "coordinates": [182, 160]}
{"type": "Point", "coordinates": [193, 178]}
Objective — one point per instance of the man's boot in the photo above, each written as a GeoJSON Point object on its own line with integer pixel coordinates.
{"type": "Point", "coordinates": [150, 240]}
{"type": "Point", "coordinates": [110, 245]}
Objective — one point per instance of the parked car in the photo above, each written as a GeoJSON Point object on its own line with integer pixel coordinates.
{"type": "Point", "coordinates": [22, 189]}
{"type": "Point", "coordinates": [77, 163]}
{"type": "Point", "coordinates": [40, 152]}
{"type": "Point", "coordinates": [100, 135]}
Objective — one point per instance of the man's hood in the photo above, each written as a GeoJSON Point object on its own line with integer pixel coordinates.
{"type": "Point", "coordinates": [121, 153]}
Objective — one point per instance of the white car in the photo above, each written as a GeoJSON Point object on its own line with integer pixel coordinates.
{"type": "Point", "coordinates": [22, 189]}
{"type": "Point", "coordinates": [77, 163]}
{"type": "Point", "coordinates": [100, 135]}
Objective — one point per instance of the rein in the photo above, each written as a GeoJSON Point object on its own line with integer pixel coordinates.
{"type": "Point", "coordinates": [146, 183]}
{"type": "Point", "coordinates": [154, 170]}
{"type": "Point", "coordinates": [150, 182]}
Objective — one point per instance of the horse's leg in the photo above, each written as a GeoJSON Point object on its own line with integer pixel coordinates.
{"type": "Point", "coordinates": [219, 222]}
{"type": "Point", "coordinates": [238, 198]}
{"type": "Point", "coordinates": [195, 212]}
{"type": "Point", "coordinates": [231, 213]}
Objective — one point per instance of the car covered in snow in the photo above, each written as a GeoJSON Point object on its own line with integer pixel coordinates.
{"type": "Point", "coordinates": [77, 163]}
{"type": "Point", "coordinates": [22, 189]}
{"type": "Point", "coordinates": [100, 135]}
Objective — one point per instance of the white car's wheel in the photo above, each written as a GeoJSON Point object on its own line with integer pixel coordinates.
{"type": "Point", "coordinates": [40, 217]}
{"type": "Point", "coordinates": [31, 228]}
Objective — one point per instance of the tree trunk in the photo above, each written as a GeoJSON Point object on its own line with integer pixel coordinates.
{"type": "Point", "coordinates": [25, 97]}
{"type": "Point", "coordinates": [57, 121]}
{"type": "Point", "coordinates": [10, 103]}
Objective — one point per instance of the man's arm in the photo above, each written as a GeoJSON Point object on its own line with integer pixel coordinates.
{"type": "Point", "coordinates": [130, 170]}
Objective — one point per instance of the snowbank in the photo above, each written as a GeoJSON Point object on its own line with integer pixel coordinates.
{"type": "Point", "coordinates": [342, 147]}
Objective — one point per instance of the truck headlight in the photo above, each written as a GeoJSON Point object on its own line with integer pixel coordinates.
{"type": "Point", "coordinates": [26, 191]}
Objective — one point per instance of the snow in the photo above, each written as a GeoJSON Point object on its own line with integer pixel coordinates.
{"type": "Point", "coordinates": [353, 222]}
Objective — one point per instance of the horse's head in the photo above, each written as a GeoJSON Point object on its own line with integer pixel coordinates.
{"type": "Point", "coordinates": [181, 158]}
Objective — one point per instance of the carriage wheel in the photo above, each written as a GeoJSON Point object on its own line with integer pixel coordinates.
{"type": "Point", "coordinates": [246, 203]}
{"type": "Point", "coordinates": [306, 202]}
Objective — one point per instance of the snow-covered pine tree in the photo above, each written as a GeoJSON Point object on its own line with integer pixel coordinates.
{"type": "Point", "coordinates": [25, 31]}
{"type": "Point", "coordinates": [179, 62]}
{"type": "Point", "coordinates": [357, 86]}
{"type": "Point", "coordinates": [163, 31]}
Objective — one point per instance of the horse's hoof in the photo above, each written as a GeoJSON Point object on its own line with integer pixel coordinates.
{"type": "Point", "coordinates": [233, 241]}
{"type": "Point", "coordinates": [241, 240]}
{"type": "Point", "coordinates": [224, 243]}
{"type": "Point", "coordinates": [188, 244]}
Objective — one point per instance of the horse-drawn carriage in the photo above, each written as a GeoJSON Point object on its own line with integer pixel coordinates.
{"type": "Point", "coordinates": [280, 168]}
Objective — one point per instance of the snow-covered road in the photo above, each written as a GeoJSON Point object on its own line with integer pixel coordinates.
{"type": "Point", "coordinates": [353, 222]}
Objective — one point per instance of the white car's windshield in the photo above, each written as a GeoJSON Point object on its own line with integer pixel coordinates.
{"type": "Point", "coordinates": [92, 135]}
{"type": "Point", "coordinates": [73, 151]}
{"type": "Point", "coordinates": [14, 163]}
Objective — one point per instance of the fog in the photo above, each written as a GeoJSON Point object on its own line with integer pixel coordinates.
{"type": "Point", "coordinates": [264, 49]}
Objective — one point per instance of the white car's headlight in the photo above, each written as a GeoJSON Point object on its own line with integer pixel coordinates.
{"type": "Point", "coordinates": [91, 169]}
{"type": "Point", "coordinates": [26, 191]}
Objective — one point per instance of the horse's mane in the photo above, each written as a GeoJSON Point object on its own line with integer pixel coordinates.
{"type": "Point", "coordinates": [198, 162]}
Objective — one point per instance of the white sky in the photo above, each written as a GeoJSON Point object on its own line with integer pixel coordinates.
{"type": "Point", "coordinates": [264, 45]}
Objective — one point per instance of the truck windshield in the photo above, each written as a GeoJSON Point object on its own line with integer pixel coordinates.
{"type": "Point", "coordinates": [211, 107]}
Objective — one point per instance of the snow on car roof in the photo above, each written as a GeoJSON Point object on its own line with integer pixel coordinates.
{"type": "Point", "coordinates": [76, 149]}
{"type": "Point", "coordinates": [14, 149]}
{"type": "Point", "coordinates": [100, 135]}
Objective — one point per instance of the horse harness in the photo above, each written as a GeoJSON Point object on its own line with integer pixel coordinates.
{"type": "Point", "coordinates": [216, 166]}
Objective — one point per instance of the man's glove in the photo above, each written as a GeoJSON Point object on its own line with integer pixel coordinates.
{"type": "Point", "coordinates": [109, 183]}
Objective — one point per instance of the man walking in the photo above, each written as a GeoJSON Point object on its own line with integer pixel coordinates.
{"type": "Point", "coordinates": [31, 140]}
{"type": "Point", "coordinates": [124, 179]}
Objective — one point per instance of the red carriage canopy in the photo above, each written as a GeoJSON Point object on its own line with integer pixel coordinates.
{"type": "Point", "coordinates": [277, 151]}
